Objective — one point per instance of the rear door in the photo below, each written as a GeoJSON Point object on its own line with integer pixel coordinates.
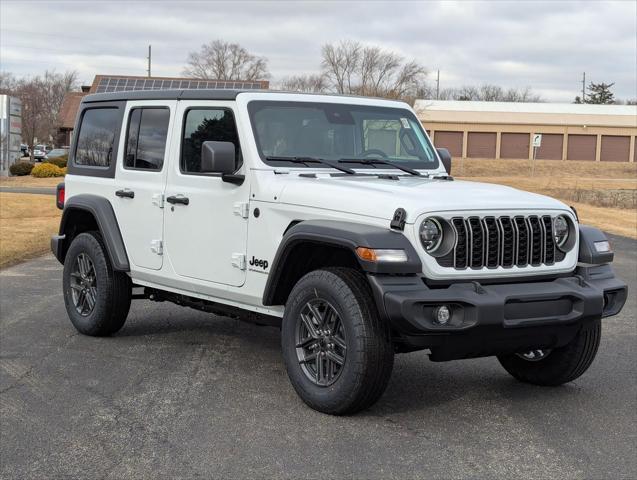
{"type": "Point", "coordinates": [140, 179]}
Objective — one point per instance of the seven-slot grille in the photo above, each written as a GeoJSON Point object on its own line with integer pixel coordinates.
{"type": "Point", "coordinates": [502, 242]}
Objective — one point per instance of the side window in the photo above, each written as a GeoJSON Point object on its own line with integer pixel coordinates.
{"type": "Point", "coordinates": [206, 124]}
{"type": "Point", "coordinates": [96, 137]}
{"type": "Point", "coordinates": [146, 138]}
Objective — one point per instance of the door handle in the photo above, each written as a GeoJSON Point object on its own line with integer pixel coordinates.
{"type": "Point", "coordinates": [178, 199]}
{"type": "Point", "coordinates": [125, 193]}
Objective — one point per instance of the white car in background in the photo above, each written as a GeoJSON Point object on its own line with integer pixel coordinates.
{"type": "Point", "coordinates": [39, 152]}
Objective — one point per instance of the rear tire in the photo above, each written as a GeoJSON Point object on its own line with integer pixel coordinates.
{"type": "Point", "coordinates": [560, 365]}
{"type": "Point", "coordinates": [97, 298]}
{"type": "Point", "coordinates": [344, 297]}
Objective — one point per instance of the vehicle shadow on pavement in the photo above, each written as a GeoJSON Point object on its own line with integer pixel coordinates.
{"type": "Point", "coordinates": [418, 384]}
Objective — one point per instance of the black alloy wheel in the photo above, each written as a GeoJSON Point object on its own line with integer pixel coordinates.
{"type": "Point", "coordinates": [321, 344]}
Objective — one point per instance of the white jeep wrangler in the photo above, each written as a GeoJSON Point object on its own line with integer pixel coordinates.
{"type": "Point", "coordinates": [334, 218]}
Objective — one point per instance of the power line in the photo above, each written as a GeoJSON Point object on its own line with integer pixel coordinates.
{"type": "Point", "coordinates": [43, 50]}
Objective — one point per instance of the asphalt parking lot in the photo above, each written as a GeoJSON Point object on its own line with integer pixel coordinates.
{"type": "Point", "coordinates": [182, 394]}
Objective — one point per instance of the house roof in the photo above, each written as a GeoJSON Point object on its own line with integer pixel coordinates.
{"type": "Point", "coordinates": [68, 110]}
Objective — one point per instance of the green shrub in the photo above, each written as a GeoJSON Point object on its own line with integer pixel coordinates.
{"type": "Point", "coordinates": [58, 161]}
{"type": "Point", "coordinates": [44, 170]}
{"type": "Point", "coordinates": [21, 168]}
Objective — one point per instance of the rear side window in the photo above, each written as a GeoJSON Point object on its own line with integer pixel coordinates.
{"type": "Point", "coordinates": [201, 125]}
{"type": "Point", "coordinates": [96, 137]}
{"type": "Point", "coordinates": [146, 138]}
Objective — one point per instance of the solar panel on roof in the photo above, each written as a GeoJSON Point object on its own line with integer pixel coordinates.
{"type": "Point", "coordinates": [120, 84]}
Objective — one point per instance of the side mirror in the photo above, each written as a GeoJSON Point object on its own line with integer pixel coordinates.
{"type": "Point", "coordinates": [445, 157]}
{"type": "Point", "coordinates": [217, 157]}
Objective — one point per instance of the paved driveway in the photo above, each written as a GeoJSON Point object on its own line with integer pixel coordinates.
{"type": "Point", "coordinates": [182, 394]}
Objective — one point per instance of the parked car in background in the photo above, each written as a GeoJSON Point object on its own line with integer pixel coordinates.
{"type": "Point", "coordinates": [57, 152]}
{"type": "Point", "coordinates": [24, 150]}
{"type": "Point", "coordinates": [39, 152]}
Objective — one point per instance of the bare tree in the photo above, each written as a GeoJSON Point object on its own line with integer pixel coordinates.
{"type": "Point", "coordinates": [488, 93]}
{"type": "Point", "coordinates": [311, 83]}
{"type": "Point", "coordinates": [41, 98]}
{"type": "Point", "coordinates": [340, 63]}
{"type": "Point", "coordinates": [352, 68]}
{"type": "Point", "coordinates": [219, 60]}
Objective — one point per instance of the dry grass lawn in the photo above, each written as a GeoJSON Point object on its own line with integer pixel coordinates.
{"type": "Point", "coordinates": [26, 225]}
{"type": "Point", "coordinates": [544, 168]}
{"type": "Point", "coordinates": [604, 194]}
{"type": "Point", "coordinates": [29, 181]}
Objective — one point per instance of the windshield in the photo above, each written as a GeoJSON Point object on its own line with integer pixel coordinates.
{"type": "Point", "coordinates": [339, 132]}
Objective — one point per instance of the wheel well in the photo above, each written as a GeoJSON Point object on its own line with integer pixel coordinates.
{"type": "Point", "coordinates": [305, 257]}
{"type": "Point", "coordinates": [77, 221]}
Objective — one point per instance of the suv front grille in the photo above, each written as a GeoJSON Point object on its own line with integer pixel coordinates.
{"type": "Point", "coordinates": [502, 242]}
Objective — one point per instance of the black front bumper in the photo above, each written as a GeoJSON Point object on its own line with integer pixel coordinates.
{"type": "Point", "coordinates": [499, 318]}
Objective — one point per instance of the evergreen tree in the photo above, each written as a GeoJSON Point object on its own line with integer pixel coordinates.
{"type": "Point", "coordinates": [599, 93]}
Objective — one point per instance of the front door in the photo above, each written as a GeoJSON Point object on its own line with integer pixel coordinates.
{"type": "Point", "coordinates": [205, 217]}
{"type": "Point", "coordinates": [140, 179]}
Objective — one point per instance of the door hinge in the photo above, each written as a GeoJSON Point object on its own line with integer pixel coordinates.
{"type": "Point", "coordinates": [158, 200]}
{"type": "Point", "coordinates": [157, 246]}
{"type": "Point", "coordinates": [239, 261]}
{"type": "Point", "coordinates": [242, 209]}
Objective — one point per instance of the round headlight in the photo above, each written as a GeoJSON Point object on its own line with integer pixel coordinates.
{"type": "Point", "coordinates": [430, 234]}
{"type": "Point", "coordinates": [560, 230]}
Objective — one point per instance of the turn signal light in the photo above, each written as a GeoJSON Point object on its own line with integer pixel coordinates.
{"type": "Point", "coordinates": [381, 255]}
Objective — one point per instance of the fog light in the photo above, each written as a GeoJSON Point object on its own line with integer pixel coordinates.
{"type": "Point", "coordinates": [441, 315]}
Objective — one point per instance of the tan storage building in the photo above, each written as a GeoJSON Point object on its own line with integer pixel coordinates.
{"type": "Point", "coordinates": [504, 130]}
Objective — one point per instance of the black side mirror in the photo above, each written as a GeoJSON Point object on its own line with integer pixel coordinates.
{"type": "Point", "coordinates": [217, 157]}
{"type": "Point", "coordinates": [445, 157]}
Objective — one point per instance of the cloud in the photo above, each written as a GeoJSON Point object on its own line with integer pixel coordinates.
{"type": "Point", "coordinates": [545, 45]}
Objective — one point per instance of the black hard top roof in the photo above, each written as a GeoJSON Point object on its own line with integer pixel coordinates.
{"type": "Point", "coordinates": [190, 94]}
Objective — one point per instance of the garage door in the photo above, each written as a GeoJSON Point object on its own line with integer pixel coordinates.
{"type": "Point", "coordinates": [514, 145]}
{"type": "Point", "coordinates": [452, 141]}
{"type": "Point", "coordinates": [582, 147]}
{"type": "Point", "coordinates": [551, 148]}
{"type": "Point", "coordinates": [615, 148]}
{"type": "Point", "coordinates": [481, 145]}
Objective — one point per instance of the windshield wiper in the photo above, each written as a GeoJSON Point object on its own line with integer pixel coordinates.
{"type": "Point", "coordinates": [375, 161]}
{"type": "Point", "coordinates": [306, 160]}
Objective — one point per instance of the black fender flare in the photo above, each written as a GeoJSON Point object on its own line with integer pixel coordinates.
{"type": "Point", "coordinates": [588, 254]}
{"type": "Point", "coordinates": [348, 235]}
{"type": "Point", "coordinates": [102, 210]}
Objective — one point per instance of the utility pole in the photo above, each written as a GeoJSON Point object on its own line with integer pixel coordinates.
{"type": "Point", "coordinates": [149, 56]}
{"type": "Point", "coordinates": [584, 87]}
{"type": "Point", "coordinates": [438, 85]}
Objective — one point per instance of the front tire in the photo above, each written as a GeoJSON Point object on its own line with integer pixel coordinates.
{"type": "Point", "coordinates": [559, 365]}
{"type": "Point", "coordinates": [97, 298]}
{"type": "Point", "coordinates": [337, 351]}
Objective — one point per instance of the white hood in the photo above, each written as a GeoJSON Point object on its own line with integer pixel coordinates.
{"type": "Point", "coordinates": [375, 197]}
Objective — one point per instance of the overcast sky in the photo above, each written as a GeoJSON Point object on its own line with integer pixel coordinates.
{"type": "Point", "coordinates": [544, 45]}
